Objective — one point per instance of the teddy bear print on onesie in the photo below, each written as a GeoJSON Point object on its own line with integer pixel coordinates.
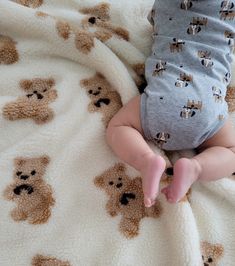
{"type": "Point", "coordinates": [35, 104]}
{"type": "Point", "coordinates": [187, 75]}
{"type": "Point", "coordinates": [126, 198]}
{"type": "Point", "coordinates": [32, 195]}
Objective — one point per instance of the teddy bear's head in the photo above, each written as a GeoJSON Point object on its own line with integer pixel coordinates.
{"type": "Point", "coordinates": [211, 253]}
{"type": "Point", "coordinates": [97, 19]}
{"type": "Point", "coordinates": [95, 15]}
{"type": "Point", "coordinates": [37, 89]}
{"type": "Point", "coordinates": [113, 180]}
{"type": "Point", "coordinates": [96, 87]}
{"type": "Point", "coordinates": [30, 169]}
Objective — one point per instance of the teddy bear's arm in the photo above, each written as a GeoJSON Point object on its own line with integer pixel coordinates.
{"type": "Point", "coordinates": [47, 192]}
{"type": "Point", "coordinates": [8, 193]}
{"type": "Point", "coordinates": [112, 206]}
{"type": "Point", "coordinates": [52, 95]}
{"type": "Point", "coordinates": [103, 35]}
{"type": "Point", "coordinates": [92, 108]}
{"type": "Point", "coordinates": [12, 110]}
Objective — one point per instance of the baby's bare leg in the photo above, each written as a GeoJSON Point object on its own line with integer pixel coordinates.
{"type": "Point", "coordinates": [125, 136]}
{"type": "Point", "coordinates": [216, 160]}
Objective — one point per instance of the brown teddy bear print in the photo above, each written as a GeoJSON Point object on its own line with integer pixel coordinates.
{"type": "Point", "coordinates": [8, 52]}
{"type": "Point", "coordinates": [126, 198]}
{"type": "Point", "coordinates": [140, 80]}
{"type": "Point", "coordinates": [211, 253]}
{"type": "Point", "coordinates": [230, 99]}
{"type": "Point", "coordinates": [103, 98]}
{"type": "Point", "coordinates": [63, 29]}
{"type": "Point", "coordinates": [84, 40]}
{"type": "Point", "coordinates": [29, 3]}
{"type": "Point", "coordinates": [98, 18]}
{"type": "Point", "coordinates": [32, 195]}
{"type": "Point", "coordinates": [35, 104]}
{"type": "Point", "coordinates": [40, 260]}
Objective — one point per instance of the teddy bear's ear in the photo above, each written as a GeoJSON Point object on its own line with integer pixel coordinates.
{"type": "Point", "coordinates": [101, 10]}
{"type": "Point", "coordinates": [50, 82]}
{"type": "Point", "coordinates": [84, 82]}
{"type": "Point", "coordinates": [26, 84]}
{"type": "Point", "coordinates": [99, 181]}
{"type": "Point", "coordinates": [19, 161]}
{"type": "Point", "coordinates": [120, 167]}
{"type": "Point", "coordinates": [99, 76]}
{"type": "Point", "coordinates": [218, 250]}
{"type": "Point", "coordinates": [45, 160]}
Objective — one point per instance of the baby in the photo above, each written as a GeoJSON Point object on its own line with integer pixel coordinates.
{"type": "Point", "coordinates": [183, 106]}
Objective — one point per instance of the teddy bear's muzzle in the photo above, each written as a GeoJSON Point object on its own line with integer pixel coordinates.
{"type": "Point", "coordinates": [24, 177]}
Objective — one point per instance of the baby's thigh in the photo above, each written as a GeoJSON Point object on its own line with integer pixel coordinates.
{"type": "Point", "coordinates": [225, 137]}
{"type": "Point", "coordinates": [128, 115]}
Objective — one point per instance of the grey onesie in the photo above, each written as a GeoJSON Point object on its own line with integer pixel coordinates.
{"type": "Point", "coordinates": [188, 71]}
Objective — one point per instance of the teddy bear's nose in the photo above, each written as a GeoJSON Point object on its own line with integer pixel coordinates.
{"type": "Point", "coordinates": [92, 20]}
{"type": "Point", "coordinates": [39, 96]}
{"type": "Point", "coordinates": [24, 177]}
{"type": "Point", "coordinates": [119, 185]}
{"type": "Point", "coordinates": [35, 91]}
{"type": "Point", "coordinates": [96, 93]}
{"type": "Point", "coordinates": [205, 264]}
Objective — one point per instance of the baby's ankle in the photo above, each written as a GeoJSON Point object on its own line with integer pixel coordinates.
{"type": "Point", "coordinates": [198, 167]}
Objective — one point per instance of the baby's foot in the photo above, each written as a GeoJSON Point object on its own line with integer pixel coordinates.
{"type": "Point", "coordinates": [186, 172]}
{"type": "Point", "coordinates": [152, 171]}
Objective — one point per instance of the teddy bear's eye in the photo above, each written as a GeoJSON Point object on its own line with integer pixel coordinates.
{"type": "Point", "coordinates": [90, 91]}
{"type": "Point", "coordinates": [33, 172]}
{"type": "Point", "coordinates": [210, 260]}
{"type": "Point", "coordinates": [202, 257]}
{"type": "Point", "coordinates": [45, 90]}
{"type": "Point", "coordinates": [111, 183]}
{"type": "Point", "coordinates": [99, 88]}
{"type": "Point", "coordinates": [119, 178]}
{"type": "Point", "coordinates": [18, 173]}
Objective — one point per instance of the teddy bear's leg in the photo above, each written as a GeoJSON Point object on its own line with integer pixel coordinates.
{"type": "Point", "coordinates": [39, 216]}
{"type": "Point", "coordinates": [154, 211]}
{"type": "Point", "coordinates": [129, 227]}
{"type": "Point", "coordinates": [44, 115]}
{"type": "Point", "coordinates": [8, 55]}
{"type": "Point", "coordinates": [18, 215]}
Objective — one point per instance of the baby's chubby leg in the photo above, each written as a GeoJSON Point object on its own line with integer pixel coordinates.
{"type": "Point", "coordinates": [215, 160]}
{"type": "Point", "coordinates": [125, 136]}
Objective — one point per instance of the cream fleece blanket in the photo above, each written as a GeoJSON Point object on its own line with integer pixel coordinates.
{"type": "Point", "coordinates": [66, 67]}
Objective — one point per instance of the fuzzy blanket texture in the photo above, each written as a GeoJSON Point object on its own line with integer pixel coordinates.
{"type": "Point", "coordinates": [66, 67]}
